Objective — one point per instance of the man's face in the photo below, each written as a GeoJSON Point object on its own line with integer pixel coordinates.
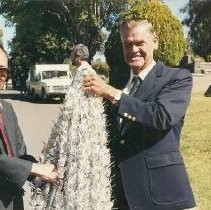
{"type": "Point", "coordinates": [138, 46]}
{"type": "Point", "coordinates": [3, 67]}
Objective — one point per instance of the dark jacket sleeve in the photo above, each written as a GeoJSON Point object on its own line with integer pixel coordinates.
{"type": "Point", "coordinates": [169, 107]}
{"type": "Point", "coordinates": [14, 169]}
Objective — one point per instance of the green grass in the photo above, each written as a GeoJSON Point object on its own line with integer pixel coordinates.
{"type": "Point", "coordinates": [196, 148]}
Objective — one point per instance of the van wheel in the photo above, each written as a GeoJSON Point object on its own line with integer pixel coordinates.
{"type": "Point", "coordinates": [32, 94]}
{"type": "Point", "coordinates": [43, 95]}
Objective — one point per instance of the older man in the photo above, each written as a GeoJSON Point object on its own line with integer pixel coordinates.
{"type": "Point", "coordinates": [15, 164]}
{"type": "Point", "coordinates": [146, 119]}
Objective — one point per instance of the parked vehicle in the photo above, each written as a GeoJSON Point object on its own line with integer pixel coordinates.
{"type": "Point", "coordinates": [49, 80]}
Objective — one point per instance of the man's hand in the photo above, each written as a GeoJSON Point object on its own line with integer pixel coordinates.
{"type": "Point", "coordinates": [46, 172]}
{"type": "Point", "coordinates": [94, 84]}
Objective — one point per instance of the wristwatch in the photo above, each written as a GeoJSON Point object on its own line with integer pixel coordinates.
{"type": "Point", "coordinates": [117, 97]}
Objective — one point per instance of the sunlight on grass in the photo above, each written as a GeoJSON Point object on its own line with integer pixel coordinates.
{"type": "Point", "coordinates": [196, 148]}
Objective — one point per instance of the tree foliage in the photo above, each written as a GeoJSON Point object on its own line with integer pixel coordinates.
{"type": "Point", "coordinates": [47, 30]}
{"type": "Point", "coordinates": [169, 30]}
{"type": "Point", "coordinates": [101, 67]}
{"type": "Point", "coordinates": [199, 22]}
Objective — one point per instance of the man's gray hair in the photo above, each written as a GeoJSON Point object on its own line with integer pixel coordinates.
{"type": "Point", "coordinates": [132, 23]}
{"type": "Point", "coordinates": [80, 50]}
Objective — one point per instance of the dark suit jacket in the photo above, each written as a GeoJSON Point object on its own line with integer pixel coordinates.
{"type": "Point", "coordinates": [13, 171]}
{"type": "Point", "coordinates": [147, 144]}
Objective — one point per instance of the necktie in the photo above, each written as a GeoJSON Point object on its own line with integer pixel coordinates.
{"type": "Point", "coordinates": [136, 82]}
{"type": "Point", "coordinates": [5, 139]}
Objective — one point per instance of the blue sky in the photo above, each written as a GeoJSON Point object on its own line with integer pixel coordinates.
{"type": "Point", "coordinates": [9, 32]}
{"type": "Point", "coordinates": [174, 5]}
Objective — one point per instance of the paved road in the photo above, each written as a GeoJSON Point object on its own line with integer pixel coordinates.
{"type": "Point", "coordinates": [201, 83]}
{"type": "Point", "coordinates": [36, 120]}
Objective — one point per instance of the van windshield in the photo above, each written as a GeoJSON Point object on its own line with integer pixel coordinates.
{"type": "Point", "coordinates": [53, 74]}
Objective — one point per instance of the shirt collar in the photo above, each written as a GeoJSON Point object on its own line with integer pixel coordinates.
{"type": "Point", "coordinates": [143, 73]}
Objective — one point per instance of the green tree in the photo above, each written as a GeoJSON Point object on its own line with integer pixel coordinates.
{"type": "Point", "coordinates": [47, 30]}
{"type": "Point", "coordinates": [199, 22]}
{"type": "Point", "coordinates": [172, 43]}
{"type": "Point", "coordinates": [101, 67]}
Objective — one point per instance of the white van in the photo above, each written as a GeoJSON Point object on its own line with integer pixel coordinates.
{"type": "Point", "coordinates": [49, 80]}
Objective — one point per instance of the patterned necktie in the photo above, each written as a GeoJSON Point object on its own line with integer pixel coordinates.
{"type": "Point", "coordinates": [5, 139]}
{"type": "Point", "coordinates": [136, 82]}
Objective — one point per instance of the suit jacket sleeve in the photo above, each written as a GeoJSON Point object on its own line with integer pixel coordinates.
{"type": "Point", "coordinates": [14, 169]}
{"type": "Point", "coordinates": [167, 109]}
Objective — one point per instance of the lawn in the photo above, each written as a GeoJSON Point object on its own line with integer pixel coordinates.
{"type": "Point", "coordinates": [196, 148]}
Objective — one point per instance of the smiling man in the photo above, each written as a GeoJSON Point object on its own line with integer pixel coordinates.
{"type": "Point", "coordinates": [139, 44]}
{"type": "Point", "coordinates": [145, 121]}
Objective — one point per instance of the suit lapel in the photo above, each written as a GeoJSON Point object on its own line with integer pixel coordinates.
{"type": "Point", "coordinates": [146, 88]}
{"type": "Point", "coordinates": [149, 83]}
{"type": "Point", "coordinates": [3, 111]}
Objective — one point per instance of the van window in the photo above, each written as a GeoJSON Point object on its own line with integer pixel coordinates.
{"type": "Point", "coordinates": [53, 74]}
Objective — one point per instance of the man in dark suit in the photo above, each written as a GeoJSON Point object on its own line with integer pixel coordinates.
{"type": "Point", "coordinates": [15, 164]}
{"type": "Point", "coordinates": [145, 122]}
